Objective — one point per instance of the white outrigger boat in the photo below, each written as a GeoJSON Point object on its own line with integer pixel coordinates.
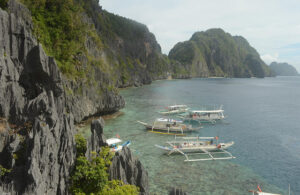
{"type": "Point", "coordinates": [204, 146]}
{"type": "Point", "coordinates": [204, 115]}
{"type": "Point", "coordinates": [260, 192]}
{"type": "Point", "coordinates": [168, 126]}
{"type": "Point", "coordinates": [115, 144]}
{"type": "Point", "coordinates": [175, 109]}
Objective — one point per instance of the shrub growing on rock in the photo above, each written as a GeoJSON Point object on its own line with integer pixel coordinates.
{"type": "Point", "coordinates": [91, 177]}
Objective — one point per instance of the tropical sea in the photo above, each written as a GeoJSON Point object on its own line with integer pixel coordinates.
{"type": "Point", "coordinates": [262, 118]}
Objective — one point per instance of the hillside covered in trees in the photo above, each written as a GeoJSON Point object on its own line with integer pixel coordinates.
{"type": "Point", "coordinates": [283, 69]}
{"type": "Point", "coordinates": [217, 53]}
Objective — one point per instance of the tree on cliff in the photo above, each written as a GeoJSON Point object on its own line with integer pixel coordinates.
{"type": "Point", "coordinates": [91, 177]}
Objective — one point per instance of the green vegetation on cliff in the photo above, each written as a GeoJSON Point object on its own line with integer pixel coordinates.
{"type": "Point", "coordinates": [59, 28]}
{"type": "Point", "coordinates": [91, 177]}
{"type": "Point", "coordinates": [216, 53]}
{"type": "Point", "coordinates": [3, 4]}
{"type": "Point", "coordinates": [86, 40]}
{"type": "Point", "coordinates": [3, 171]}
{"type": "Point", "coordinates": [283, 69]}
{"type": "Point", "coordinates": [96, 46]}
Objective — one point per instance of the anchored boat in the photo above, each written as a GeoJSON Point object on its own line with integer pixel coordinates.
{"type": "Point", "coordinates": [169, 126]}
{"type": "Point", "coordinates": [175, 109]}
{"type": "Point", "coordinates": [115, 144]}
{"type": "Point", "coordinates": [202, 146]}
{"type": "Point", "coordinates": [204, 115]}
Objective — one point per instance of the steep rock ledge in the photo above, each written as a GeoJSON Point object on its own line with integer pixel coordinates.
{"type": "Point", "coordinates": [124, 166]}
{"type": "Point", "coordinates": [38, 144]}
{"type": "Point", "coordinates": [130, 170]}
{"type": "Point", "coordinates": [89, 102]}
{"type": "Point", "coordinates": [97, 139]}
{"type": "Point", "coordinates": [41, 148]}
{"type": "Point", "coordinates": [37, 123]}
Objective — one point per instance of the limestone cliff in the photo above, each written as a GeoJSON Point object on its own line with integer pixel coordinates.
{"type": "Point", "coordinates": [283, 69]}
{"type": "Point", "coordinates": [37, 111]}
{"type": "Point", "coordinates": [216, 53]}
{"type": "Point", "coordinates": [103, 53]}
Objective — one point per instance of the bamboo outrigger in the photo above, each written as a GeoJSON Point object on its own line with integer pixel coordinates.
{"type": "Point", "coordinates": [204, 146]}
{"type": "Point", "coordinates": [169, 126]}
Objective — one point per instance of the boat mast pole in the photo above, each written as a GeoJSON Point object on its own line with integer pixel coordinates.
{"type": "Point", "coordinates": [153, 125]}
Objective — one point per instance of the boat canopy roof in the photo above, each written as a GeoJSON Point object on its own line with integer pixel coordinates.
{"type": "Point", "coordinates": [112, 141]}
{"type": "Point", "coordinates": [178, 106]}
{"type": "Point", "coordinates": [167, 120]}
{"type": "Point", "coordinates": [206, 111]}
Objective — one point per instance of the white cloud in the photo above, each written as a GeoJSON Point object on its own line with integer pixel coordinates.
{"type": "Point", "coordinates": [268, 58]}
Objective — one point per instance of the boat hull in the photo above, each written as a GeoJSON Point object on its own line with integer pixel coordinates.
{"type": "Point", "coordinates": [190, 148]}
{"type": "Point", "coordinates": [173, 112]}
{"type": "Point", "coordinates": [120, 147]}
{"type": "Point", "coordinates": [165, 129]}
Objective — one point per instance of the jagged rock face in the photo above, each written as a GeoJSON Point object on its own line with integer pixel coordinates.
{"type": "Point", "coordinates": [51, 148]}
{"type": "Point", "coordinates": [37, 124]}
{"type": "Point", "coordinates": [48, 147]}
{"type": "Point", "coordinates": [124, 166]}
{"type": "Point", "coordinates": [97, 139]}
{"type": "Point", "coordinates": [16, 42]}
{"type": "Point", "coordinates": [130, 170]}
{"type": "Point", "coordinates": [42, 154]}
{"type": "Point", "coordinates": [19, 67]}
{"type": "Point", "coordinates": [89, 102]}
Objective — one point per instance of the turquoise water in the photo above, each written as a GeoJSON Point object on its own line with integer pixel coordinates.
{"type": "Point", "coordinates": [263, 118]}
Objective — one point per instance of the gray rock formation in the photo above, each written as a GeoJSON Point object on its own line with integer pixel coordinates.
{"type": "Point", "coordinates": [124, 166]}
{"type": "Point", "coordinates": [130, 170]}
{"type": "Point", "coordinates": [19, 72]}
{"type": "Point", "coordinates": [42, 161]}
{"type": "Point", "coordinates": [97, 139]}
{"type": "Point", "coordinates": [88, 102]}
{"type": "Point", "coordinates": [16, 41]}
{"type": "Point", "coordinates": [39, 149]}
{"type": "Point", "coordinates": [36, 116]}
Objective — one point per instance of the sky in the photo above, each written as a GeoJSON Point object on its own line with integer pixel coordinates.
{"type": "Point", "coordinates": [272, 27]}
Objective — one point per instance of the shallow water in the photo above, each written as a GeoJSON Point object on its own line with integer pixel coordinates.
{"type": "Point", "coordinates": [263, 118]}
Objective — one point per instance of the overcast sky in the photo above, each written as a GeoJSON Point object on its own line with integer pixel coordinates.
{"type": "Point", "coordinates": [272, 27]}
